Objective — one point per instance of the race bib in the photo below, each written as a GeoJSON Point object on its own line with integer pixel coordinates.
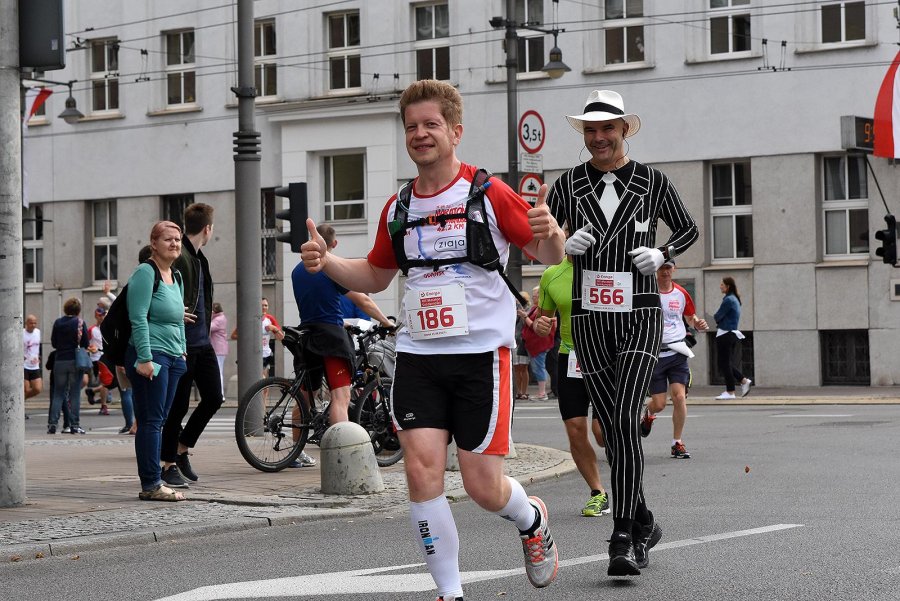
{"type": "Point", "coordinates": [606, 291]}
{"type": "Point", "coordinates": [574, 368]}
{"type": "Point", "coordinates": [436, 312]}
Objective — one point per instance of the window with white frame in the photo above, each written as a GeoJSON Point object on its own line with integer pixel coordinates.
{"type": "Point", "coordinates": [531, 43]}
{"type": "Point", "coordinates": [843, 22]}
{"type": "Point", "coordinates": [181, 77]}
{"type": "Point", "coordinates": [269, 231]}
{"type": "Point", "coordinates": [104, 75]}
{"type": "Point", "coordinates": [174, 206]}
{"type": "Point", "coordinates": [345, 186]}
{"type": "Point", "coordinates": [845, 205]}
{"type": "Point", "coordinates": [729, 26]}
{"type": "Point", "coordinates": [106, 254]}
{"type": "Point", "coordinates": [432, 41]}
{"type": "Point", "coordinates": [732, 211]}
{"type": "Point", "coordinates": [33, 243]}
{"type": "Point", "coordinates": [624, 31]}
{"type": "Point", "coordinates": [343, 51]}
{"type": "Point", "coordinates": [265, 69]}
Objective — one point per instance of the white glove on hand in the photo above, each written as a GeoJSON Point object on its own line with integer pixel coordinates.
{"type": "Point", "coordinates": [578, 243]}
{"type": "Point", "coordinates": [647, 260]}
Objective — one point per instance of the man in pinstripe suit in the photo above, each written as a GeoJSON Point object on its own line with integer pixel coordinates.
{"type": "Point", "coordinates": [613, 204]}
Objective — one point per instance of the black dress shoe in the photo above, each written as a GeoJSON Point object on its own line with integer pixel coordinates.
{"type": "Point", "coordinates": [621, 555]}
{"type": "Point", "coordinates": [184, 466]}
{"type": "Point", "coordinates": [645, 538]}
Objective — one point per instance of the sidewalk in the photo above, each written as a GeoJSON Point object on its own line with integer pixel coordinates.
{"type": "Point", "coordinates": [82, 491]}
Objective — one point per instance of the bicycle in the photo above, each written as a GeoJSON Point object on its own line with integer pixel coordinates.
{"type": "Point", "coordinates": [273, 423]}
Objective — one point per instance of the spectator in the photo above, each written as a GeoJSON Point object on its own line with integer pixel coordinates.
{"type": "Point", "coordinates": [217, 328]}
{"type": "Point", "coordinates": [728, 341]}
{"type": "Point", "coordinates": [95, 348]}
{"type": "Point", "coordinates": [521, 377]}
{"type": "Point", "coordinates": [537, 345]}
{"type": "Point", "coordinates": [119, 379]}
{"type": "Point", "coordinates": [69, 332]}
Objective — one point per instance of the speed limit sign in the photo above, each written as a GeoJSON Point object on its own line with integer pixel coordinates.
{"type": "Point", "coordinates": [531, 131]}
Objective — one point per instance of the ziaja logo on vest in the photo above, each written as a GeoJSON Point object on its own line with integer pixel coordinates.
{"type": "Point", "coordinates": [427, 540]}
{"type": "Point", "coordinates": [450, 243]}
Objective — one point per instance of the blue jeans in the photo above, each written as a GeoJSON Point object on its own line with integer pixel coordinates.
{"type": "Point", "coordinates": [127, 397]}
{"type": "Point", "coordinates": [66, 389]}
{"type": "Point", "coordinates": [152, 400]}
{"type": "Point", "coordinates": [539, 366]}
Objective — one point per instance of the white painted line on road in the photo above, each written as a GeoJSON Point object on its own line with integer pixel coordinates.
{"type": "Point", "coordinates": [817, 415]}
{"type": "Point", "coordinates": [371, 581]}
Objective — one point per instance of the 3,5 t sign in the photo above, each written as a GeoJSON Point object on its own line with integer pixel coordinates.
{"type": "Point", "coordinates": [531, 132]}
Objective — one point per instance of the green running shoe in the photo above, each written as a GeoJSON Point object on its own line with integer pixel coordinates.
{"type": "Point", "coordinates": [596, 506]}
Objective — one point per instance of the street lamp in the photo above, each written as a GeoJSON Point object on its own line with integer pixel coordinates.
{"type": "Point", "coordinates": [555, 69]}
{"type": "Point", "coordinates": [71, 114]}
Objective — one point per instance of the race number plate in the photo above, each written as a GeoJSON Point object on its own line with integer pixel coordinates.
{"type": "Point", "coordinates": [437, 312]}
{"type": "Point", "coordinates": [574, 367]}
{"type": "Point", "coordinates": [606, 291]}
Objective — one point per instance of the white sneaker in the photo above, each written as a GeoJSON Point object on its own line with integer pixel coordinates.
{"type": "Point", "coordinates": [745, 387]}
{"type": "Point", "coordinates": [541, 556]}
{"type": "Point", "coordinates": [726, 396]}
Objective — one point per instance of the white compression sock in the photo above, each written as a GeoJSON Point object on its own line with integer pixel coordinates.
{"type": "Point", "coordinates": [435, 532]}
{"type": "Point", "coordinates": [518, 509]}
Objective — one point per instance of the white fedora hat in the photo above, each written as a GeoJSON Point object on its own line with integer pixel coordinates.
{"type": "Point", "coordinates": [605, 105]}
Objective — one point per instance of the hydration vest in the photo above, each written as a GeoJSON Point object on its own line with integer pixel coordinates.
{"type": "Point", "coordinates": [480, 247]}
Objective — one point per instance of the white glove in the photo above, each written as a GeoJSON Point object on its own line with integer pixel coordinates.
{"type": "Point", "coordinates": [579, 242]}
{"type": "Point", "coordinates": [647, 260]}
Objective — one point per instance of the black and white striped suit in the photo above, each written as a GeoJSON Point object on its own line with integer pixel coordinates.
{"type": "Point", "coordinates": [618, 351]}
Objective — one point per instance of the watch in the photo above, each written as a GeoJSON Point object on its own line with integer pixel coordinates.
{"type": "Point", "coordinates": [668, 252]}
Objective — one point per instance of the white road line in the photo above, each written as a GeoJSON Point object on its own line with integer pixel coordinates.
{"type": "Point", "coordinates": [373, 580]}
{"type": "Point", "coordinates": [816, 415]}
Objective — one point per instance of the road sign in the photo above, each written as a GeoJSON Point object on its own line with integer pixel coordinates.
{"type": "Point", "coordinates": [531, 131]}
{"type": "Point", "coordinates": [529, 187]}
{"type": "Point", "coordinates": [532, 163]}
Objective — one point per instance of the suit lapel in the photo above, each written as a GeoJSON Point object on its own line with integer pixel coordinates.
{"type": "Point", "coordinates": [588, 203]}
{"type": "Point", "coordinates": [629, 204]}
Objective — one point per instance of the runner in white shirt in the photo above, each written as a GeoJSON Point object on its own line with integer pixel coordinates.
{"type": "Point", "coordinates": [672, 373]}
{"type": "Point", "coordinates": [31, 336]}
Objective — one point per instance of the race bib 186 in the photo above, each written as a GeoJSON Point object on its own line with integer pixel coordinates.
{"type": "Point", "coordinates": [606, 291]}
{"type": "Point", "coordinates": [437, 312]}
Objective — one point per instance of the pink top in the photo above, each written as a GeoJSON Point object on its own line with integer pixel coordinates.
{"type": "Point", "coordinates": [217, 336]}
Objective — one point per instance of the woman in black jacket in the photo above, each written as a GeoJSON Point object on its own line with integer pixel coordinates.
{"type": "Point", "coordinates": [69, 332]}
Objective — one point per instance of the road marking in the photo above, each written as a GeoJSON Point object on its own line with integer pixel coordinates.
{"type": "Point", "coordinates": [817, 415]}
{"type": "Point", "coordinates": [372, 580]}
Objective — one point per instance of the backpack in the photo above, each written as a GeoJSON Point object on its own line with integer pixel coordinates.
{"type": "Point", "coordinates": [116, 326]}
{"type": "Point", "coordinates": [480, 247]}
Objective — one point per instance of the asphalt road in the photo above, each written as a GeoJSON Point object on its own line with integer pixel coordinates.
{"type": "Point", "coordinates": [815, 517]}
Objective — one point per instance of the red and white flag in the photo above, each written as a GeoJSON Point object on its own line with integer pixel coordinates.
{"type": "Point", "coordinates": [887, 114]}
{"type": "Point", "coordinates": [34, 98]}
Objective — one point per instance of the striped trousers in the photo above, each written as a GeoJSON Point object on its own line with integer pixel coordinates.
{"type": "Point", "coordinates": [617, 353]}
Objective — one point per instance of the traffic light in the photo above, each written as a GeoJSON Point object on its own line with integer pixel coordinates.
{"type": "Point", "coordinates": [888, 237]}
{"type": "Point", "coordinates": [295, 214]}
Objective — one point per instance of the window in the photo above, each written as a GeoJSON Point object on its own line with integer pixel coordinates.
{"type": "Point", "coordinates": [732, 211]}
{"type": "Point", "coordinates": [531, 43]}
{"type": "Point", "coordinates": [181, 77]}
{"type": "Point", "coordinates": [105, 75]}
{"type": "Point", "coordinates": [846, 205]}
{"type": "Point", "coordinates": [729, 26]}
{"type": "Point", "coordinates": [106, 255]}
{"type": "Point", "coordinates": [624, 32]}
{"type": "Point", "coordinates": [174, 206]}
{"type": "Point", "coordinates": [743, 358]}
{"type": "Point", "coordinates": [432, 47]}
{"type": "Point", "coordinates": [845, 357]}
{"type": "Point", "coordinates": [269, 231]}
{"type": "Point", "coordinates": [265, 70]}
{"type": "Point", "coordinates": [33, 243]}
{"type": "Point", "coordinates": [843, 22]}
{"type": "Point", "coordinates": [345, 189]}
{"type": "Point", "coordinates": [343, 51]}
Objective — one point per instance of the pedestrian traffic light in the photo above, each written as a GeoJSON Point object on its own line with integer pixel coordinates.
{"type": "Point", "coordinates": [296, 214]}
{"type": "Point", "coordinates": [888, 237]}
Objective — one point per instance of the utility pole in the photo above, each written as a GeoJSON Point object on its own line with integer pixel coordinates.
{"type": "Point", "coordinates": [514, 264]}
{"type": "Point", "coordinates": [247, 208]}
{"type": "Point", "coordinates": [12, 397]}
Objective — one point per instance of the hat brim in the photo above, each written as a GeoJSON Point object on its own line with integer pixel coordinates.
{"type": "Point", "coordinates": [577, 121]}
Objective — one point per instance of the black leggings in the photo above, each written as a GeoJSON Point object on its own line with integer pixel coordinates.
{"type": "Point", "coordinates": [728, 353]}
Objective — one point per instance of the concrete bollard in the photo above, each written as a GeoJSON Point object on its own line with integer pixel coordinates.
{"type": "Point", "coordinates": [452, 457]}
{"type": "Point", "coordinates": [347, 463]}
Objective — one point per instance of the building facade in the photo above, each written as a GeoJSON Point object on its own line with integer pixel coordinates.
{"type": "Point", "coordinates": [741, 104]}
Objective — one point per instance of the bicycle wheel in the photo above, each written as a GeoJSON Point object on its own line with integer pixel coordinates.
{"type": "Point", "coordinates": [271, 425]}
{"type": "Point", "coordinates": [373, 413]}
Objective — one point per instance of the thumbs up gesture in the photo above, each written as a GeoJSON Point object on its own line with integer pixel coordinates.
{"type": "Point", "coordinates": [313, 252]}
{"type": "Point", "coordinates": [542, 223]}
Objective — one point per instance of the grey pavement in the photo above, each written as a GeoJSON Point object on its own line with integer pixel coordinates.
{"type": "Point", "coordinates": [82, 490]}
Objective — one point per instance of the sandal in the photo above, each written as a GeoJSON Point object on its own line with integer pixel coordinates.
{"type": "Point", "coordinates": [161, 493]}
